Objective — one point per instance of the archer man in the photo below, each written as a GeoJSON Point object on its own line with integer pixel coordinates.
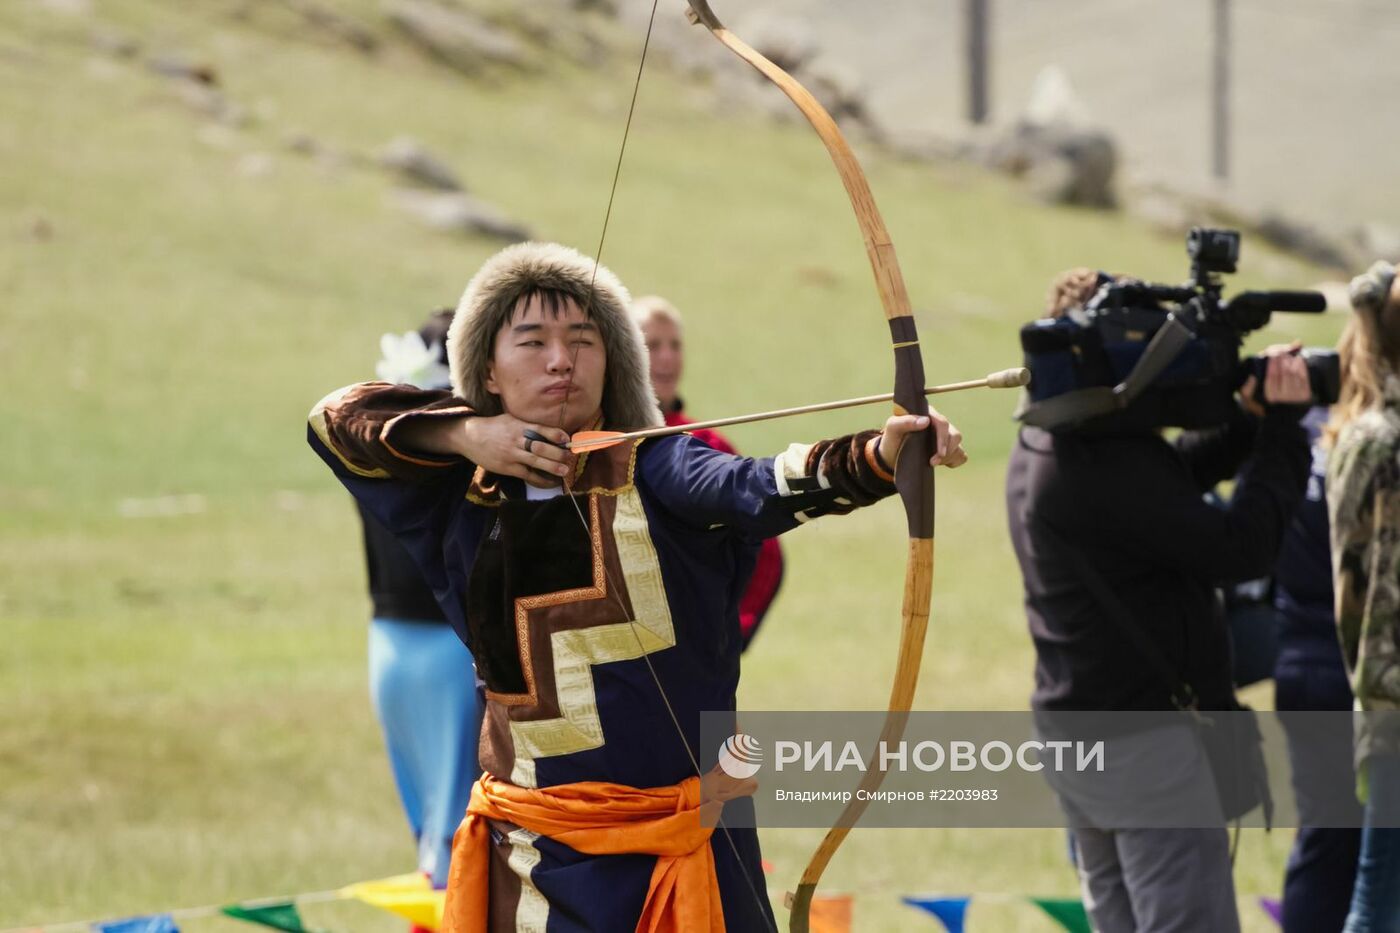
{"type": "Point", "coordinates": [598, 594]}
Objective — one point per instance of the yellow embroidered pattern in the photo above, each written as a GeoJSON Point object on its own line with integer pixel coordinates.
{"type": "Point", "coordinates": [576, 651]}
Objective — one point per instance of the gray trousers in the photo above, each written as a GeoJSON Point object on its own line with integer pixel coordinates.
{"type": "Point", "coordinates": [1157, 880]}
{"type": "Point", "coordinates": [1163, 873]}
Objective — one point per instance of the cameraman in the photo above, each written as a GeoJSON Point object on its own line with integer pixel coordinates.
{"type": "Point", "coordinates": [1131, 504]}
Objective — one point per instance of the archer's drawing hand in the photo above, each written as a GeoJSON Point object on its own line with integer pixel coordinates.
{"type": "Point", "coordinates": [501, 445]}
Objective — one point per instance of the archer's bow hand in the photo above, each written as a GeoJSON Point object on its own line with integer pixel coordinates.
{"type": "Point", "coordinates": [948, 450]}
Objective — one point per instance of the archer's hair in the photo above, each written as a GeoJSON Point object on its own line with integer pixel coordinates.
{"type": "Point", "coordinates": [1369, 348]}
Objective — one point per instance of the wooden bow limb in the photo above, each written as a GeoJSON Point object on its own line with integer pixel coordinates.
{"type": "Point", "coordinates": [597, 440]}
{"type": "Point", "coordinates": [913, 475]}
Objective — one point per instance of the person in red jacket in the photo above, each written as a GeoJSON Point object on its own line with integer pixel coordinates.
{"type": "Point", "coordinates": [661, 325]}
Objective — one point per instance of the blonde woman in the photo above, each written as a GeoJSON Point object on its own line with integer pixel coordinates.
{"type": "Point", "coordinates": [1363, 493]}
{"type": "Point", "coordinates": [661, 328]}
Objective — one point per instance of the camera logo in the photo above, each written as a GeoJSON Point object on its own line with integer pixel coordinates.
{"type": "Point", "coordinates": [740, 756]}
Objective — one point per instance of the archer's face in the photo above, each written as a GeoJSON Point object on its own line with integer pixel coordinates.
{"type": "Point", "coordinates": [667, 355]}
{"type": "Point", "coordinates": [548, 365]}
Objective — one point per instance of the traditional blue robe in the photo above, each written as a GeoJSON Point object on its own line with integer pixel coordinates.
{"type": "Point", "coordinates": [569, 603]}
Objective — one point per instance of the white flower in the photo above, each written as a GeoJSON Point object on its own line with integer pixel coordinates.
{"type": "Point", "coordinates": [408, 361]}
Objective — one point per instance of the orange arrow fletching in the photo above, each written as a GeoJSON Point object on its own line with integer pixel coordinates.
{"type": "Point", "coordinates": [594, 440]}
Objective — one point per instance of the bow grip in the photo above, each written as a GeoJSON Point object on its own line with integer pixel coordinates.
{"type": "Point", "coordinates": [913, 476]}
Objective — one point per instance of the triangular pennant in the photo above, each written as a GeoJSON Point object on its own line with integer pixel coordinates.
{"type": "Point", "coordinates": [950, 911]}
{"type": "Point", "coordinates": [830, 913]}
{"type": "Point", "coordinates": [1273, 908]}
{"type": "Point", "coordinates": [1068, 912]}
{"type": "Point", "coordinates": [409, 896]}
{"type": "Point", "coordinates": [279, 916]}
{"type": "Point", "coordinates": [156, 923]}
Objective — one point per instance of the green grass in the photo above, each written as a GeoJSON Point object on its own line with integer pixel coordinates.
{"type": "Point", "coordinates": [182, 698]}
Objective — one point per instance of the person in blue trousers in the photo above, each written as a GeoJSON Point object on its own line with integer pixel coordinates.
{"type": "Point", "coordinates": [421, 676]}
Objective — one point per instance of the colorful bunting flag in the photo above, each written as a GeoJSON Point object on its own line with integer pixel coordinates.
{"type": "Point", "coordinates": [279, 916]}
{"type": "Point", "coordinates": [156, 923]}
{"type": "Point", "coordinates": [1273, 908]}
{"type": "Point", "coordinates": [412, 897]}
{"type": "Point", "coordinates": [950, 911]}
{"type": "Point", "coordinates": [830, 914]}
{"type": "Point", "coordinates": [409, 896]}
{"type": "Point", "coordinates": [1067, 912]}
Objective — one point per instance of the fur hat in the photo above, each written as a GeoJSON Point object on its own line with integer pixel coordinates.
{"type": "Point", "coordinates": [492, 295]}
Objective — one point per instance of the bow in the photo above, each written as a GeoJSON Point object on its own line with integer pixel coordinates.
{"type": "Point", "coordinates": [913, 476]}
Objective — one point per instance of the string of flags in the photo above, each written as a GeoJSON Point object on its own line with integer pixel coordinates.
{"type": "Point", "coordinates": [413, 898]}
{"type": "Point", "coordinates": [409, 896]}
{"type": "Point", "coordinates": [1069, 913]}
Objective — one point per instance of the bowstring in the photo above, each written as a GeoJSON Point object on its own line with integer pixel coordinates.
{"type": "Point", "coordinates": [632, 623]}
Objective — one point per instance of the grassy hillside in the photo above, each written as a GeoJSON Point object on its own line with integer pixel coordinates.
{"type": "Point", "coordinates": [182, 688]}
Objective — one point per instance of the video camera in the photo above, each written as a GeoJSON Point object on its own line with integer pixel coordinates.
{"type": "Point", "coordinates": [1144, 355]}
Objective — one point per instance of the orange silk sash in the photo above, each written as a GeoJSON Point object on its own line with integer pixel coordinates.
{"type": "Point", "coordinates": [603, 819]}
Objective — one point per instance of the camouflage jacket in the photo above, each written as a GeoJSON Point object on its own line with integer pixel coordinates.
{"type": "Point", "coordinates": [1363, 500]}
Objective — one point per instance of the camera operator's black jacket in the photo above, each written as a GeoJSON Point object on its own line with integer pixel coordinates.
{"type": "Point", "coordinates": [1132, 505]}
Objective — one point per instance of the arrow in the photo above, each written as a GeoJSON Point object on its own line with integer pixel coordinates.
{"type": "Point", "coordinates": [598, 440]}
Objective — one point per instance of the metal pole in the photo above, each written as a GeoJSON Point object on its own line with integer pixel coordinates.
{"type": "Point", "coordinates": [1220, 93]}
{"type": "Point", "coordinates": [977, 27]}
